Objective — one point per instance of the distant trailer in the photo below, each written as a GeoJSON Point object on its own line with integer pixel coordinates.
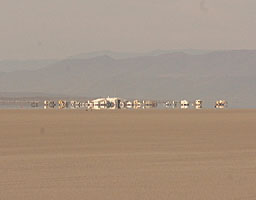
{"type": "Point", "coordinates": [149, 103]}
{"type": "Point", "coordinates": [34, 104]}
{"type": "Point", "coordinates": [184, 104]}
{"type": "Point", "coordinates": [198, 104]}
{"type": "Point", "coordinates": [63, 104]}
{"type": "Point", "coordinates": [221, 104]}
{"type": "Point", "coordinates": [136, 104]}
{"type": "Point", "coordinates": [49, 104]}
{"type": "Point", "coordinates": [174, 104]}
{"type": "Point", "coordinates": [129, 104]}
{"type": "Point", "coordinates": [168, 104]}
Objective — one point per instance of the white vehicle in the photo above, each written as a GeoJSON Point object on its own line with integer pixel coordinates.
{"type": "Point", "coordinates": [168, 104]}
{"type": "Point", "coordinates": [221, 104]}
{"type": "Point", "coordinates": [49, 104]}
{"type": "Point", "coordinates": [198, 104]}
{"type": "Point", "coordinates": [136, 104]}
{"type": "Point", "coordinates": [174, 104]}
{"type": "Point", "coordinates": [184, 103]}
{"type": "Point", "coordinates": [129, 104]}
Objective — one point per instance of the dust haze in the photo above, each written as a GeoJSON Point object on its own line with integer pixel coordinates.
{"type": "Point", "coordinates": [56, 29]}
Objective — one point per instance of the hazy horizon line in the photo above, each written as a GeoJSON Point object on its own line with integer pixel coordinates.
{"type": "Point", "coordinates": [125, 52]}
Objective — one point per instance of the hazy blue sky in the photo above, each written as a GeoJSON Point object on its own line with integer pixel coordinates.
{"type": "Point", "coordinates": [60, 28]}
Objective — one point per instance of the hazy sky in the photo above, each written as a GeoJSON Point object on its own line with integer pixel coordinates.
{"type": "Point", "coordinates": [60, 28]}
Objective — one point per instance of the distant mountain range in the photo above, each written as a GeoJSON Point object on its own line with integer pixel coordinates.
{"type": "Point", "coordinates": [229, 75]}
{"type": "Point", "coordinates": [15, 65]}
{"type": "Point", "coordinates": [123, 55]}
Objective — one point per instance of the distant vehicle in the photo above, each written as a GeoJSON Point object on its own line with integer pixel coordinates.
{"type": "Point", "coordinates": [34, 104]}
{"type": "Point", "coordinates": [198, 104]}
{"type": "Point", "coordinates": [129, 104]}
{"type": "Point", "coordinates": [184, 104]}
{"type": "Point", "coordinates": [63, 104]}
{"type": "Point", "coordinates": [168, 104]}
{"type": "Point", "coordinates": [49, 104]}
{"type": "Point", "coordinates": [136, 104]}
{"type": "Point", "coordinates": [174, 104]}
{"type": "Point", "coordinates": [221, 104]}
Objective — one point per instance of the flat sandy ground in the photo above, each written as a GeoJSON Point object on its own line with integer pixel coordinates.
{"type": "Point", "coordinates": [115, 155]}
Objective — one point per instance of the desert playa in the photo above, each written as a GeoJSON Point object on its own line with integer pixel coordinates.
{"type": "Point", "coordinates": [151, 154]}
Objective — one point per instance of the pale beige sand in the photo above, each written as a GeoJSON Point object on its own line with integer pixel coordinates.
{"type": "Point", "coordinates": [117, 155]}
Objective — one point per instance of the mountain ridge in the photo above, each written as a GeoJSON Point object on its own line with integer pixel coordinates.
{"type": "Point", "coordinates": [220, 74]}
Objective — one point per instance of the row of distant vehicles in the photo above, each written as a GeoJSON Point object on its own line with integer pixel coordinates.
{"type": "Point", "coordinates": [118, 103]}
{"type": "Point", "coordinates": [198, 104]}
{"type": "Point", "coordinates": [102, 103]}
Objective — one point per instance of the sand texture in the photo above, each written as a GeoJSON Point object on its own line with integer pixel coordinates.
{"type": "Point", "coordinates": [115, 155]}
